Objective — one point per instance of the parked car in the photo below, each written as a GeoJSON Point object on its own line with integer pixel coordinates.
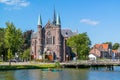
{"type": "Point", "coordinates": [15, 60]}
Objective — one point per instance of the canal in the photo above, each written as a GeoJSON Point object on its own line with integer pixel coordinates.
{"type": "Point", "coordinates": [65, 74]}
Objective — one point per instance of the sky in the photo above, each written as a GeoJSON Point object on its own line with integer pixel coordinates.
{"type": "Point", "coordinates": [99, 18]}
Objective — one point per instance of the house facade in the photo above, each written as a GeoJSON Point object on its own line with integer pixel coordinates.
{"type": "Point", "coordinates": [105, 51]}
{"type": "Point", "coordinates": [50, 41]}
{"type": "Point", "coordinates": [101, 50]}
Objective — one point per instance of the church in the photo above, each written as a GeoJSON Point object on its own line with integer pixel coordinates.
{"type": "Point", "coordinates": [49, 42]}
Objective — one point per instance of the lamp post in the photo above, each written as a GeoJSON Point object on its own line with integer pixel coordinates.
{"type": "Point", "coordinates": [2, 57]}
{"type": "Point", "coordinates": [67, 57]}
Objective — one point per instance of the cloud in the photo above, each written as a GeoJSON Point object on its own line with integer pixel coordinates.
{"type": "Point", "coordinates": [90, 22]}
{"type": "Point", "coordinates": [15, 4]}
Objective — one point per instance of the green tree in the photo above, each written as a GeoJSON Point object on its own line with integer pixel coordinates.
{"type": "Point", "coordinates": [1, 41]}
{"type": "Point", "coordinates": [80, 44]}
{"type": "Point", "coordinates": [26, 54]}
{"type": "Point", "coordinates": [3, 49]}
{"type": "Point", "coordinates": [13, 38]}
{"type": "Point", "coordinates": [115, 46]}
{"type": "Point", "coordinates": [9, 56]}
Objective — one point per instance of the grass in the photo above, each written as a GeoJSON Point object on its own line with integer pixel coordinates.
{"type": "Point", "coordinates": [16, 67]}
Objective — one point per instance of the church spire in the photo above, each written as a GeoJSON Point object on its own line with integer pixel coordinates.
{"type": "Point", "coordinates": [39, 21]}
{"type": "Point", "coordinates": [54, 17]}
{"type": "Point", "coordinates": [58, 21]}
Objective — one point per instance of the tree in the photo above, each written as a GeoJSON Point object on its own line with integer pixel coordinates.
{"type": "Point", "coordinates": [13, 38]}
{"type": "Point", "coordinates": [80, 44]}
{"type": "Point", "coordinates": [3, 49]}
{"type": "Point", "coordinates": [9, 56]}
{"type": "Point", "coordinates": [26, 54]}
{"type": "Point", "coordinates": [1, 37]}
{"type": "Point", "coordinates": [115, 46]}
{"type": "Point", "coordinates": [1, 41]}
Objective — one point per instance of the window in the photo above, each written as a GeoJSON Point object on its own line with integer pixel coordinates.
{"type": "Point", "coordinates": [53, 40]}
{"type": "Point", "coordinates": [49, 40]}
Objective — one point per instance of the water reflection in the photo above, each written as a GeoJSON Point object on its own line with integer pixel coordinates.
{"type": "Point", "coordinates": [65, 74]}
{"type": "Point", "coordinates": [37, 74]}
{"type": "Point", "coordinates": [7, 75]}
{"type": "Point", "coordinates": [74, 74]}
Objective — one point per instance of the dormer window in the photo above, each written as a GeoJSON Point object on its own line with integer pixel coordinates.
{"type": "Point", "coordinates": [66, 34]}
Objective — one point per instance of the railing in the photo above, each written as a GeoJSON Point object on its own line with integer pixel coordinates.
{"type": "Point", "coordinates": [91, 62]}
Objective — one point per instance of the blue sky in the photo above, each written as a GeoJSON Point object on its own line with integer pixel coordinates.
{"type": "Point", "coordinates": [99, 18]}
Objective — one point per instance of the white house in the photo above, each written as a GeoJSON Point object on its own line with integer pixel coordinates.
{"type": "Point", "coordinates": [92, 57]}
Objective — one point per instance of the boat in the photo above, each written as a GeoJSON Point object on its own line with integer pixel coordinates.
{"type": "Point", "coordinates": [56, 70]}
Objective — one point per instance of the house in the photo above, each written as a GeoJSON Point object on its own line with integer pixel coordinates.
{"type": "Point", "coordinates": [95, 52]}
{"type": "Point", "coordinates": [92, 57]}
{"type": "Point", "coordinates": [101, 50]}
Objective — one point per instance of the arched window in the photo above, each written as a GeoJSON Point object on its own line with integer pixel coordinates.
{"type": "Point", "coordinates": [49, 38]}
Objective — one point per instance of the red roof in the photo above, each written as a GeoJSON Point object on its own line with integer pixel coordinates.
{"type": "Point", "coordinates": [97, 45]}
{"type": "Point", "coordinates": [103, 46]}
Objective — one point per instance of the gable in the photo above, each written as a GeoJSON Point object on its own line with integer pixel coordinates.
{"type": "Point", "coordinates": [95, 52]}
{"type": "Point", "coordinates": [49, 25]}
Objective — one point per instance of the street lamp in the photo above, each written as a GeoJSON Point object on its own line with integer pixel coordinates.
{"type": "Point", "coordinates": [2, 57]}
{"type": "Point", "coordinates": [67, 57]}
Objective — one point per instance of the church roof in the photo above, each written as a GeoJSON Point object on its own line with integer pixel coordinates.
{"type": "Point", "coordinates": [65, 33]}
{"type": "Point", "coordinates": [34, 35]}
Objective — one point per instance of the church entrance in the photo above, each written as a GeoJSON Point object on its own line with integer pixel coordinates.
{"type": "Point", "coordinates": [49, 55]}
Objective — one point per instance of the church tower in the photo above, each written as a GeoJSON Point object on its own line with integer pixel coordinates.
{"type": "Point", "coordinates": [58, 38]}
{"type": "Point", "coordinates": [54, 17]}
{"type": "Point", "coordinates": [39, 38]}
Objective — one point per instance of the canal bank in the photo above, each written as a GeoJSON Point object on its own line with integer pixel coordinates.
{"type": "Point", "coordinates": [24, 65]}
{"type": "Point", "coordinates": [76, 65]}
{"type": "Point", "coordinates": [18, 67]}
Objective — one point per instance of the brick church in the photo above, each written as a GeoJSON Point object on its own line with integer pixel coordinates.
{"type": "Point", "coordinates": [50, 41]}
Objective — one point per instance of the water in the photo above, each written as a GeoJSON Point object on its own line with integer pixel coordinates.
{"type": "Point", "coordinates": [65, 74]}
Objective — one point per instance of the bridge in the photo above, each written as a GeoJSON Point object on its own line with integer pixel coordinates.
{"type": "Point", "coordinates": [87, 63]}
